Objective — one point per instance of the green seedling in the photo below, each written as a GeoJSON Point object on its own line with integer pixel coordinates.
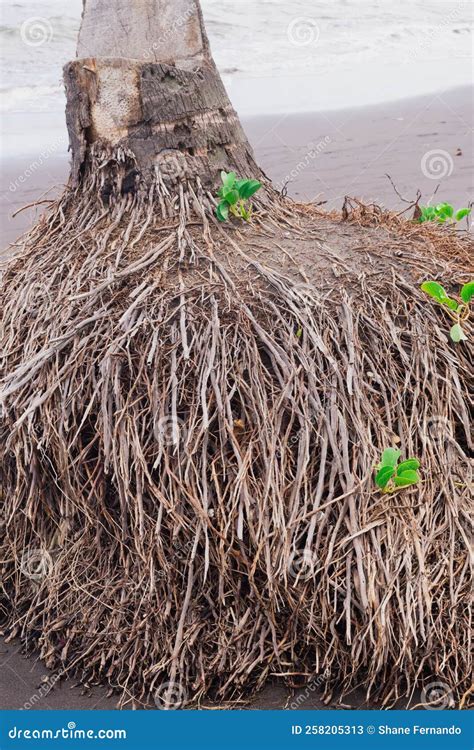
{"type": "Point", "coordinates": [443, 213]}
{"type": "Point", "coordinates": [391, 475]}
{"type": "Point", "coordinates": [457, 311]}
{"type": "Point", "coordinates": [234, 197]}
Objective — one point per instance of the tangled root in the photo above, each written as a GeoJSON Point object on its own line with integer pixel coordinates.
{"type": "Point", "coordinates": [188, 440]}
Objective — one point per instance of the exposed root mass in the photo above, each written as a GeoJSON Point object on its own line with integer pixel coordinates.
{"type": "Point", "coordinates": [187, 447]}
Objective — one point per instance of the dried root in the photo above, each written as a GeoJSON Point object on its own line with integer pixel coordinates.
{"type": "Point", "coordinates": [187, 446]}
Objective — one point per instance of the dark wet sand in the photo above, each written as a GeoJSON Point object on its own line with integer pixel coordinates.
{"type": "Point", "coordinates": [326, 156]}
{"type": "Point", "coordinates": [26, 684]}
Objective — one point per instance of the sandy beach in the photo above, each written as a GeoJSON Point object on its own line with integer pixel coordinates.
{"type": "Point", "coordinates": [25, 684]}
{"type": "Point", "coordinates": [421, 142]}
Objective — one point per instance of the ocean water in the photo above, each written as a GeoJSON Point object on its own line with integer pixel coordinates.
{"type": "Point", "coordinates": [324, 39]}
{"type": "Point", "coordinates": [274, 56]}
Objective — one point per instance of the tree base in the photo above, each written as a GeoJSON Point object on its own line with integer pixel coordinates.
{"type": "Point", "coordinates": [189, 434]}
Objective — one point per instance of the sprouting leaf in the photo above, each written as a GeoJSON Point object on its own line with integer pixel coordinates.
{"type": "Point", "coordinates": [228, 179]}
{"type": "Point", "coordinates": [427, 213]}
{"type": "Point", "coordinates": [411, 464]}
{"type": "Point", "coordinates": [467, 292]}
{"type": "Point", "coordinates": [383, 476]}
{"type": "Point", "coordinates": [437, 292]}
{"type": "Point", "coordinates": [222, 211]}
{"type": "Point", "coordinates": [231, 196]}
{"type": "Point", "coordinates": [246, 213]}
{"type": "Point", "coordinates": [457, 334]}
{"type": "Point", "coordinates": [390, 457]}
{"type": "Point", "coordinates": [434, 290]}
{"type": "Point", "coordinates": [445, 209]}
{"type": "Point", "coordinates": [451, 303]}
{"type": "Point", "coordinates": [299, 333]}
{"type": "Point", "coordinates": [406, 479]}
{"type": "Point", "coordinates": [462, 213]}
{"type": "Point", "coordinates": [249, 188]}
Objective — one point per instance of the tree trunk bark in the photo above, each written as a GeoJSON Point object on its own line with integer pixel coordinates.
{"type": "Point", "coordinates": [145, 102]}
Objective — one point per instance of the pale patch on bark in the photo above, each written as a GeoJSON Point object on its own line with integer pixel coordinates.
{"type": "Point", "coordinates": [147, 30]}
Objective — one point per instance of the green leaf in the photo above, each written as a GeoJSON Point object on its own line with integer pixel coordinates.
{"type": "Point", "coordinates": [437, 292]}
{"type": "Point", "coordinates": [249, 188]}
{"type": "Point", "coordinates": [411, 464]}
{"type": "Point", "coordinates": [434, 290]}
{"type": "Point", "coordinates": [299, 333]}
{"type": "Point", "coordinates": [467, 292]}
{"type": "Point", "coordinates": [231, 197]}
{"type": "Point", "coordinates": [406, 479]}
{"type": "Point", "coordinates": [390, 457]}
{"type": "Point", "coordinates": [445, 209]}
{"type": "Point", "coordinates": [383, 476]}
{"type": "Point", "coordinates": [228, 179]}
{"type": "Point", "coordinates": [457, 334]}
{"type": "Point", "coordinates": [427, 213]}
{"type": "Point", "coordinates": [222, 211]}
{"type": "Point", "coordinates": [462, 213]}
{"type": "Point", "coordinates": [451, 303]}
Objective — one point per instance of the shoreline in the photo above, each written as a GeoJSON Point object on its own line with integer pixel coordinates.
{"type": "Point", "coordinates": [324, 155]}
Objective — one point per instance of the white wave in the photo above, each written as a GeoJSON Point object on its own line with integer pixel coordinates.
{"type": "Point", "coordinates": [29, 98]}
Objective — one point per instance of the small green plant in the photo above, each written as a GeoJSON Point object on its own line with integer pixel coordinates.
{"type": "Point", "coordinates": [443, 213]}
{"type": "Point", "coordinates": [457, 311]}
{"type": "Point", "coordinates": [234, 197]}
{"type": "Point", "coordinates": [391, 475]}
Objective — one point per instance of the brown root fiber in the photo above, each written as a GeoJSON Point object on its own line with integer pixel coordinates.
{"type": "Point", "coordinates": [188, 436]}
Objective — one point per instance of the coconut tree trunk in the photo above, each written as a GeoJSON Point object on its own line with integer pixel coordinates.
{"type": "Point", "coordinates": [145, 94]}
